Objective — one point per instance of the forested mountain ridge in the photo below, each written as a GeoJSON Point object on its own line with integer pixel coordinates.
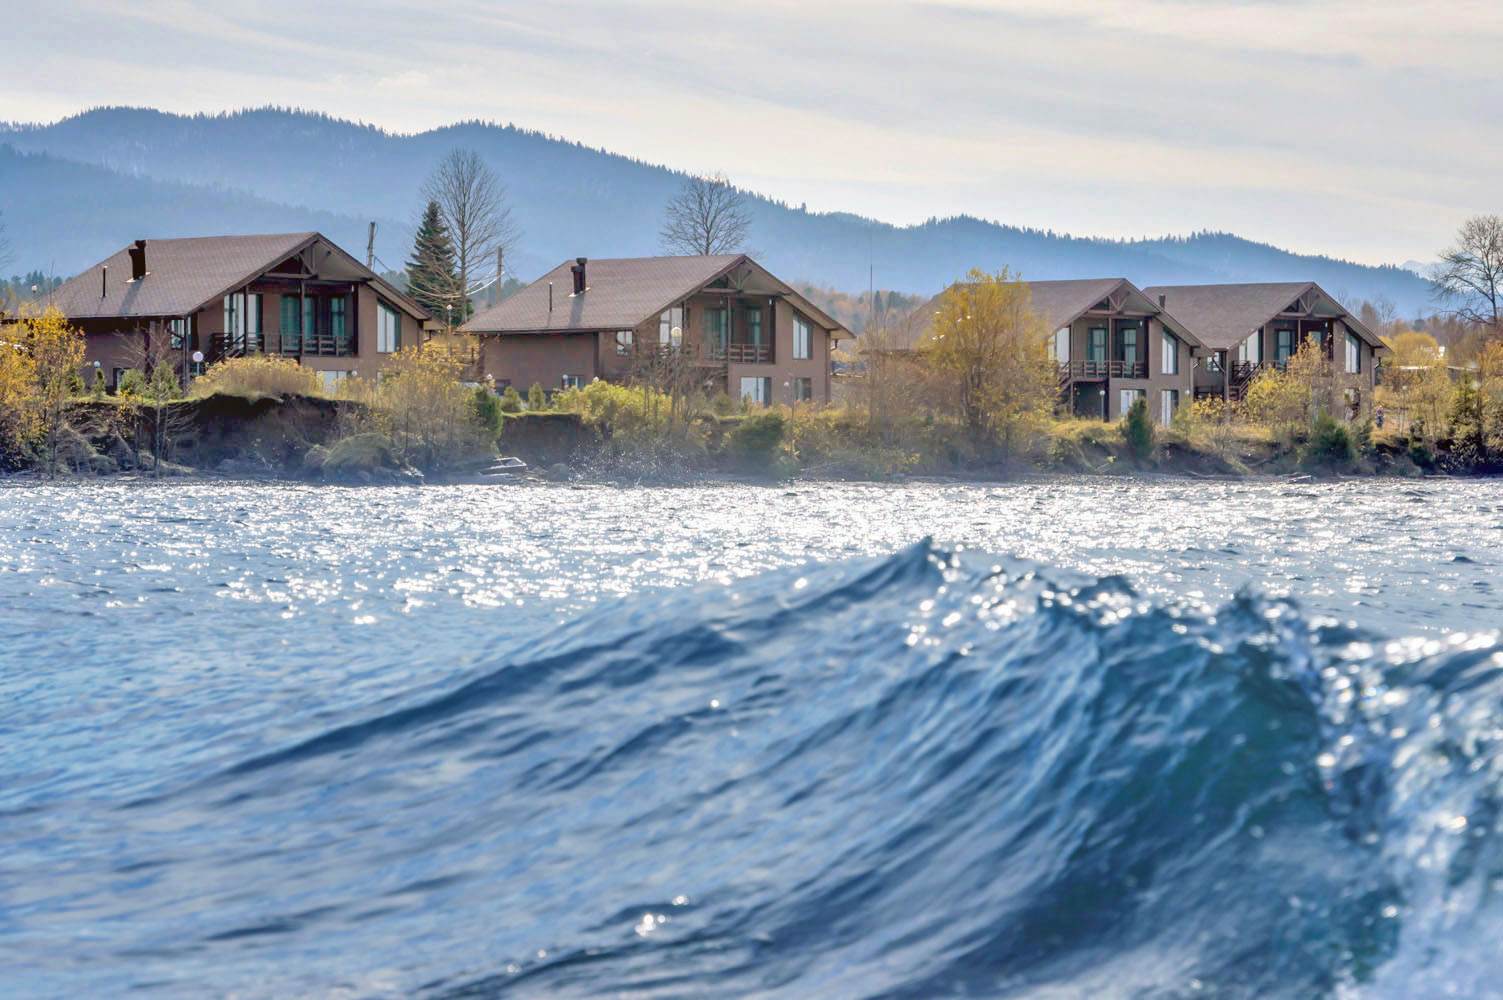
{"type": "Point", "coordinates": [115, 174]}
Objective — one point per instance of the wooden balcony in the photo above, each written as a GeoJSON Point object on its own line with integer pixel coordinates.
{"type": "Point", "coordinates": [749, 354]}
{"type": "Point", "coordinates": [1100, 371]}
{"type": "Point", "coordinates": [325, 344]}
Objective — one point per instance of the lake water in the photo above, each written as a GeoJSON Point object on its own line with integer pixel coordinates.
{"type": "Point", "coordinates": [1116, 738]}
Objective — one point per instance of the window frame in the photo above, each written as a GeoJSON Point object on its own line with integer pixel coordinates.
{"type": "Point", "coordinates": [1061, 339]}
{"type": "Point", "coordinates": [1169, 346]}
{"type": "Point", "coordinates": [1105, 344]}
{"type": "Point", "coordinates": [1168, 403]}
{"type": "Point", "coordinates": [803, 337]}
{"type": "Point", "coordinates": [388, 341]}
{"type": "Point", "coordinates": [803, 389]}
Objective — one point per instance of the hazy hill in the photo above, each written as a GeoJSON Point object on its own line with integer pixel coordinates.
{"type": "Point", "coordinates": [156, 174]}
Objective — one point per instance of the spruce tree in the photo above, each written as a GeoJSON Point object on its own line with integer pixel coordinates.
{"type": "Point", "coordinates": [431, 277]}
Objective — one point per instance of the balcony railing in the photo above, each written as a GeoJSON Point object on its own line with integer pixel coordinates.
{"type": "Point", "coordinates": [319, 344]}
{"type": "Point", "coordinates": [1096, 371]}
{"type": "Point", "coordinates": [749, 354]}
{"type": "Point", "coordinates": [234, 345]}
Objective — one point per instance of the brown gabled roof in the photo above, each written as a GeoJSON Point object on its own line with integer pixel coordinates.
{"type": "Point", "coordinates": [184, 275]}
{"type": "Point", "coordinates": [1061, 303]}
{"type": "Point", "coordinates": [622, 293]}
{"type": "Point", "coordinates": [1225, 315]}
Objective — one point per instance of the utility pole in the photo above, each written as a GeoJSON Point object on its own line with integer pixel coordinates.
{"type": "Point", "coordinates": [370, 248]}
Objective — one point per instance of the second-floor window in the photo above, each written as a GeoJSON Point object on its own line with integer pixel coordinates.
{"type": "Point", "coordinates": [337, 328]}
{"type": "Point", "coordinates": [1283, 348]}
{"type": "Point", "coordinates": [802, 338]}
{"type": "Point", "coordinates": [754, 327]}
{"type": "Point", "coordinates": [671, 326]}
{"type": "Point", "coordinates": [623, 342]}
{"type": "Point", "coordinates": [242, 319]}
{"type": "Point", "coordinates": [1127, 344]}
{"type": "Point", "coordinates": [714, 327]}
{"type": "Point", "coordinates": [1096, 344]}
{"type": "Point", "coordinates": [1059, 346]}
{"type": "Point", "coordinates": [1353, 355]}
{"type": "Point", "coordinates": [1171, 354]}
{"type": "Point", "coordinates": [388, 329]}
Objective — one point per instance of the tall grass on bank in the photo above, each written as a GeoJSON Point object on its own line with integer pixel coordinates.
{"type": "Point", "coordinates": [257, 375]}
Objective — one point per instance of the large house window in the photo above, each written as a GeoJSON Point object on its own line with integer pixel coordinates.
{"type": "Point", "coordinates": [714, 331]}
{"type": "Point", "coordinates": [1129, 397]}
{"type": "Point", "coordinates": [801, 338]}
{"type": "Point", "coordinates": [756, 389]}
{"type": "Point", "coordinates": [1059, 346]}
{"type": "Point", "coordinates": [1283, 344]}
{"type": "Point", "coordinates": [179, 330]}
{"type": "Point", "coordinates": [754, 327]}
{"type": "Point", "coordinates": [623, 343]}
{"type": "Point", "coordinates": [671, 326]}
{"type": "Point", "coordinates": [337, 328]}
{"type": "Point", "coordinates": [803, 389]}
{"type": "Point", "coordinates": [1127, 344]}
{"type": "Point", "coordinates": [1250, 351]}
{"type": "Point", "coordinates": [1096, 344]}
{"type": "Point", "coordinates": [253, 321]}
{"type": "Point", "coordinates": [1353, 355]}
{"type": "Point", "coordinates": [1170, 365]}
{"type": "Point", "coordinates": [571, 381]}
{"type": "Point", "coordinates": [1168, 403]}
{"type": "Point", "coordinates": [292, 327]}
{"type": "Point", "coordinates": [242, 321]}
{"type": "Point", "coordinates": [332, 379]}
{"type": "Point", "coordinates": [388, 329]}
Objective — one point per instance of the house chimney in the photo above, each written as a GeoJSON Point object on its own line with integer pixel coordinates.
{"type": "Point", "coordinates": [104, 280]}
{"type": "Point", "coordinates": [550, 298]}
{"type": "Point", "coordinates": [1161, 300]}
{"type": "Point", "coordinates": [579, 275]}
{"type": "Point", "coordinates": [138, 261]}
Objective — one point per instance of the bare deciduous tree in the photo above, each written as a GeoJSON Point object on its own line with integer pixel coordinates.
{"type": "Point", "coordinates": [472, 202]}
{"type": "Point", "coordinates": [1470, 274]}
{"type": "Point", "coordinates": [708, 216]}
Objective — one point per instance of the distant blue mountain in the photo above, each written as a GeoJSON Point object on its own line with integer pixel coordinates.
{"type": "Point", "coordinates": [115, 174]}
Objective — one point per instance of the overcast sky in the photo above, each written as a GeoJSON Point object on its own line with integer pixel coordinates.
{"type": "Point", "coordinates": [1365, 130]}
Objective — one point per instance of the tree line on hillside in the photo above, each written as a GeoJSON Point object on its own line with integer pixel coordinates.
{"type": "Point", "coordinates": [147, 173]}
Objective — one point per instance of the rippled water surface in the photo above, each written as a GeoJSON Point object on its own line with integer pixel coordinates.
{"type": "Point", "coordinates": [732, 740]}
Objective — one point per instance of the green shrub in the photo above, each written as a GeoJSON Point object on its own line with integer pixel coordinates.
{"type": "Point", "coordinates": [1137, 430]}
{"type": "Point", "coordinates": [1362, 437]}
{"type": "Point", "coordinates": [1420, 453]}
{"type": "Point", "coordinates": [164, 385]}
{"type": "Point", "coordinates": [537, 399]}
{"type": "Point", "coordinates": [511, 401]}
{"type": "Point", "coordinates": [1329, 446]}
{"type": "Point", "coordinates": [623, 413]}
{"type": "Point", "coordinates": [132, 383]}
{"type": "Point", "coordinates": [487, 408]}
{"type": "Point", "coordinates": [722, 405]}
{"type": "Point", "coordinates": [756, 442]}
